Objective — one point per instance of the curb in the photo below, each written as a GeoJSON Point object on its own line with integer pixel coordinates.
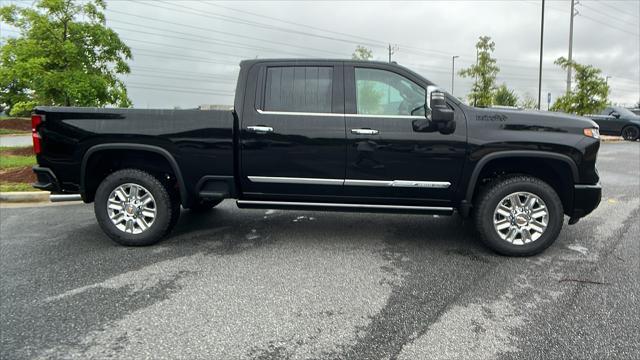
{"type": "Point", "coordinates": [610, 139]}
{"type": "Point", "coordinates": [24, 196]}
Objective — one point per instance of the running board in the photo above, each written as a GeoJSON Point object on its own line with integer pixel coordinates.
{"type": "Point", "coordinates": [314, 206]}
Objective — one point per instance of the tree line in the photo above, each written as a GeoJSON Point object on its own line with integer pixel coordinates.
{"type": "Point", "coordinates": [588, 96]}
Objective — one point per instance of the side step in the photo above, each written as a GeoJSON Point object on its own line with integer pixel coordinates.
{"type": "Point", "coordinates": [291, 205]}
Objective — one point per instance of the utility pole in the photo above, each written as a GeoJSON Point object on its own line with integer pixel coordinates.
{"type": "Point", "coordinates": [573, 14]}
{"type": "Point", "coordinates": [541, 48]}
{"type": "Point", "coordinates": [475, 81]}
{"type": "Point", "coordinates": [606, 79]}
{"type": "Point", "coordinates": [392, 50]}
{"type": "Point", "coordinates": [453, 70]}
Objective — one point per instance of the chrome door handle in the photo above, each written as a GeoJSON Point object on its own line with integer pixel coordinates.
{"type": "Point", "coordinates": [259, 129]}
{"type": "Point", "coordinates": [364, 131]}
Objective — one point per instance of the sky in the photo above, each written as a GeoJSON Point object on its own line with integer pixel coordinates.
{"type": "Point", "coordinates": [186, 53]}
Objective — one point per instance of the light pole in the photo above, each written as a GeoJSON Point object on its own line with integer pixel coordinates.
{"type": "Point", "coordinates": [541, 47]}
{"type": "Point", "coordinates": [453, 71]}
{"type": "Point", "coordinates": [606, 79]}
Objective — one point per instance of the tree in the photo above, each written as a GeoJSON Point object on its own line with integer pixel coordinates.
{"type": "Point", "coordinates": [505, 96]}
{"type": "Point", "coordinates": [589, 95]}
{"type": "Point", "coordinates": [369, 98]}
{"type": "Point", "coordinates": [484, 72]}
{"type": "Point", "coordinates": [65, 55]}
{"type": "Point", "coordinates": [362, 53]}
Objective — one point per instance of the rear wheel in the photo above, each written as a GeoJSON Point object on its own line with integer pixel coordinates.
{"type": "Point", "coordinates": [631, 133]}
{"type": "Point", "coordinates": [519, 216]}
{"type": "Point", "coordinates": [134, 208]}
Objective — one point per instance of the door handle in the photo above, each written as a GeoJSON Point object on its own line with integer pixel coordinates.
{"type": "Point", "coordinates": [259, 129]}
{"type": "Point", "coordinates": [364, 131]}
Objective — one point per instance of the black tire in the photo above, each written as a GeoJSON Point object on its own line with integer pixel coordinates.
{"type": "Point", "coordinates": [174, 194]}
{"type": "Point", "coordinates": [495, 192]}
{"type": "Point", "coordinates": [204, 205]}
{"type": "Point", "coordinates": [631, 133]}
{"type": "Point", "coordinates": [165, 217]}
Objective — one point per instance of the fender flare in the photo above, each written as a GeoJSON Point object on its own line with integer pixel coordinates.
{"type": "Point", "coordinates": [516, 153]}
{"type": "Point", "coordinates": [142, 147]}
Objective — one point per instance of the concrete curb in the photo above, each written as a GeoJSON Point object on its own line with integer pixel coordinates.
{"type": "Point", "coordinates": [24, 196]}
{"type": "Point", "coordinates": [608, 139]}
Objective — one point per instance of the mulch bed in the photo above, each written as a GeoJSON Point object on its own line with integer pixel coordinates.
{"type": "Point", "coordinates": [23, 151]}
{"type": "Point", "coordinates": [20, 125]}
{"type": "Point", "coordinates": [19, 175]}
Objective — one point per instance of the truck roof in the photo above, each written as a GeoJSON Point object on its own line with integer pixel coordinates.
{"type": "Point", "coordinates": [250, 62]}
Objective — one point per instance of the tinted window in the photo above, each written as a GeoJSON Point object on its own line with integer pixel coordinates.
{"type": "Point", "coordinates": [380, 92]}
{"type": "Point", "coordinates": [299, 88]}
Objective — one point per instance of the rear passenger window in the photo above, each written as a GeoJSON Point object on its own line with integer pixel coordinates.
{"type": "Point", "coordinates": [299, 88]}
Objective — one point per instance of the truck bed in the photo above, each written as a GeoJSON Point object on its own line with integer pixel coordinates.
{"type": "Point", "coordinates": [200, 141]}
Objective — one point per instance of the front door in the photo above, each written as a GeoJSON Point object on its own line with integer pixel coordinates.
{"type": "Point", "coordinates": [387, 160]}
{"type": "Point", "coordinates": [293, 135]}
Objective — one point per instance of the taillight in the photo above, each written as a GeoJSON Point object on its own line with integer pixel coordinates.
{"type": "Point", "coordinates": [36, 120]}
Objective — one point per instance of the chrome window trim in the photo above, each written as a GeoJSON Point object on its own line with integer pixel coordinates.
{"type": "Point", "coordinates": [302, 113]}
{"type": "Point", "coordinates": [344, 205]}
{"type": "Point", "coordinates": [350, 182]}
{"type": "Point", "coordinates": [296, 113]}
{"type": "Point", "coordinates": [386, 116]}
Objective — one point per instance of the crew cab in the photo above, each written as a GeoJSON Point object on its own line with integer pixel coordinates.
{"type": "Point", "coordinates": [325, 135]}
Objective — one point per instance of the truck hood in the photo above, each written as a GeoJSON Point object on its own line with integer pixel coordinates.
{"type": "Point", "coordinates": [534, 120]}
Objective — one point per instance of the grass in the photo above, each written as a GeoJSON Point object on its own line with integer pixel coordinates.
{"type": "Point", "coordinates": [5, 117]}
{"type": "Point", "coordinates": [11, 186]}
{"type": "Point", "coordinates": [10, 161]}
{"type": "Point", "coordinates": [9, 148]}
{"type": "Point", "coordinates": [12, 132]}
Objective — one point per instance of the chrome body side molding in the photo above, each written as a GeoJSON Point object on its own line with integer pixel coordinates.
{"type": "Point", "coordinates": [295, 180]}
{"type": "Point", "coordinates": [399, 183]}
{"type": "Point", "coordinates": [350, 182]}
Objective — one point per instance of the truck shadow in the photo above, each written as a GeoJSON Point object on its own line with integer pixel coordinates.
{"type": "Point", "coordinates": [228, 230]}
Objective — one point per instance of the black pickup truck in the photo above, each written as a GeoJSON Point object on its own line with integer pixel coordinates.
{"type": "Point", "coordinates": [330, 135]}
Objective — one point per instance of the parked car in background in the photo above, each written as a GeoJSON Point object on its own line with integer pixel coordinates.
{"type": "Point", "coordinates": [618, 121]}
{"type": "Point", "coordinates": [635, 111]}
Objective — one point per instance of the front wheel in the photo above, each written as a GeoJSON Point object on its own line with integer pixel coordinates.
{"type": "Point", "coordinates": [631, 133]}
{"type": "Point", "coordinates": [519, 216]}
{"type": "Point", "coordinates": [134, 208]}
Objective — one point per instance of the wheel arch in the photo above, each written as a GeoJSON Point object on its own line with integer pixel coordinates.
{"type": "Point", "coordinates": [486, 162]}
{"type": "Point", "coordinates": [159, 151]}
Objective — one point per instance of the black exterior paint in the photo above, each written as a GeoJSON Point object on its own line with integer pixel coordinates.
{"type": "Point", "coordinates": [216, 145]}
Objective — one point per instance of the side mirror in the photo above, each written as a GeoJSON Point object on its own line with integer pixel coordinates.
{"type": "Point", "coordinates": [615, 115]}
{"type": "Point", "coordinates": [440, 112]}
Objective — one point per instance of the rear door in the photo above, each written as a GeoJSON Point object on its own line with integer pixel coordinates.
{"type": "Point", "coordinates": [292, 132]}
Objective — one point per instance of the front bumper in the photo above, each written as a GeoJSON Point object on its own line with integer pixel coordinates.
{"type": "Point", "coordinates": [585, 199]}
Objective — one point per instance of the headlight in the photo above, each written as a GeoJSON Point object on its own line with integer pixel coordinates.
{"type": "Point", "coordinates": [592, 133]}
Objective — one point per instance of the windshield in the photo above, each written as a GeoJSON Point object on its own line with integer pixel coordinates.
{"type": "Point", "coordinates": [623, 111]}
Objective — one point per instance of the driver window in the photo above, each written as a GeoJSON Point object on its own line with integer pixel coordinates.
{"type": "Point", "coordinates": [381, 92]}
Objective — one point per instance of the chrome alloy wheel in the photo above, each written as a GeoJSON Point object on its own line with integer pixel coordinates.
{"type": "Point", "coordinates": [520, 218]}
{"type": "Point", "coordinates": [131, 208]}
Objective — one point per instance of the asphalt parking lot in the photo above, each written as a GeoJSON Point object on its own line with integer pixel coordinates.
{"type": "Point", "coordinates": [301, 285]}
